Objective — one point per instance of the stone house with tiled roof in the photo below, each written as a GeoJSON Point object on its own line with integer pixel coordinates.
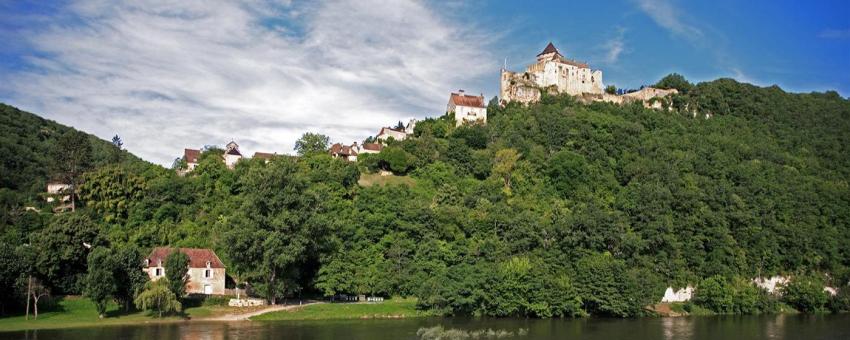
{"type": "Point", "coordinates": [346, 152]}
{"type": "Point", "coordinates": [267, 157]}
{"type": "Point", "coordinates": [206, 271]}
{"type": "Point", "coordinates": [467, 108]}
{"type": "Point", "coordinates": [191, 156]}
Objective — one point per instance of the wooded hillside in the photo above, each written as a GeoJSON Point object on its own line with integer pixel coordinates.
{"type": "Point", "coordinates": [555, 209]}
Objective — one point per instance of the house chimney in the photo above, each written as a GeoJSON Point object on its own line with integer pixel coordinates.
{"type": "Point", "coordinates": [460, 92]}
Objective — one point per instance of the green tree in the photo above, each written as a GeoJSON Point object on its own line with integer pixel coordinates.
{"type": "Point", "coordinates": [157, 297]}
{"type": "Point", "coordinates": [503, 166]}
{"type": "Point", "coordinates": [129, 273]}
{"type": "Point", "coordinates": [101, 284]}
{"type": "Point", "coordinates": [674, 81]}
{"type": "Point", "coordinates": [805, 293]}
{"type": "Point", "coordinates": [176, 271]}
{"type": "Point", "coordinates": [611, 89]}
{"type": "Point", "coordinates": [311, 143]}
{"type": "Point", "coordinates": [72, 156]}
{"type": "Point", "coordinates": [111, 191]}
{"type": "Point", "coordinates": [61, 252]}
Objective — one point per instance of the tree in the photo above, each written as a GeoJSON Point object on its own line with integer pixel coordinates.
{"type": "Point", "coordinates": [35, 291]}
{"type": "Point", "coordinates": [310, 143]}
{"type": "Point", "coordinates": [60, 252]}
{"type": "Point", "coordinates": [129, 273]}
{"type": "Point", "coordinates": [611, 89]}
{"type": "Point", "coordinates": [72, 156]}
{"type": "Point", "coordinates": [158, 297]}
{"type": "Point", "coordinates": [273, 233]}
{"type": "Point", "coordinates": [101, 284]}
{"type": "Point", "coordinates": [503, 166]}
{"type": "Point", "coordinates": [111, 191]}
{"type": "Point", "coordinates": [116, 141]}
{"type": "Point", "coordinates": [176, 269]}
{"type": "Point", "coordinates": [675, 81]}
{"type": "Point", "coordinates": [805, 293]}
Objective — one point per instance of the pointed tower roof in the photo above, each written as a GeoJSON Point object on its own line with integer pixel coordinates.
{"type": "Point", "coordinates": [549, 49]}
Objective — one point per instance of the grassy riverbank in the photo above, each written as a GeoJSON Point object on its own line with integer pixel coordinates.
{"type": "Point", "coordinates": [80, 312]}
{"type": "Point", "coordinates": [389, 309]}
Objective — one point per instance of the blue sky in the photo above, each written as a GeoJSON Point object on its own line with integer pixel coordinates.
{"type": "Point", "coordinates": [167, 75]}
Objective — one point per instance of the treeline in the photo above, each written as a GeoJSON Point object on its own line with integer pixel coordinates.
{"type": "Point", "coordinates": [554, 209]}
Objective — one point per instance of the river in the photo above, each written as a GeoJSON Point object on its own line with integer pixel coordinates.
{"type": "Point", "coordinates": [805, 327]}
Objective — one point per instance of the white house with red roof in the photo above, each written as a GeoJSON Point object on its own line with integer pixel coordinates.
{"type": "Point", "coordinates": [467, 108]}
{"type": "Point", "coordinates": [206, 271]}
{"type": "Point", "coordinates": [191, 157]}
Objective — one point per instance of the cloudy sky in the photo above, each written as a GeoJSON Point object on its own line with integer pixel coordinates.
{"type": "Point", "coordinates": [166, 75]}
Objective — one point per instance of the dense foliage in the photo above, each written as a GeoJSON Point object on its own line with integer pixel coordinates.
{"type": "Point", "coordinates": [554, 209]}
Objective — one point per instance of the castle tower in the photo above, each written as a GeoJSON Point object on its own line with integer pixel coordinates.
{"type": "Point", "coordinates": [548, 52]}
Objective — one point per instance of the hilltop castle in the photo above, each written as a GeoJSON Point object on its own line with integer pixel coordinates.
{"type": "Point", "coordinates": [551, 69]}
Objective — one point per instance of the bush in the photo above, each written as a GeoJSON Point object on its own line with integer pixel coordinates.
{"type": "Point", "coordinates": [805, 293]}
{"type": "Point", "coordinates": [158, 298]}
{"type": "Point", "coordinates": [733, 296]}
{"type": "Point", "coordinates": [840, 302]}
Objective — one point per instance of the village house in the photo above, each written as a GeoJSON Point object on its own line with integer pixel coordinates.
{"type": "Point", "coordinates": [265, 156]}
{"type": "Point", "coordinates": [371, 148]}
{"type": "Point", "coordinates": [206, 271]}
{"type": "Point", "coordinates": [467, 108]}
{"type": "Point", "coordinates": [231, 155]}
{"type": "Point", "coordinates": [191, 157]}
{"type": "Point", "coordinates": [386, 133]}
{"type": "Point", "coordinates": [346, 152]}
{"type": "Point", "coordinates": [59, 193]}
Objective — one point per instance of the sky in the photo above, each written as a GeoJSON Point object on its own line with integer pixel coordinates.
{"type": "Point", "coordinates": [169, 75]}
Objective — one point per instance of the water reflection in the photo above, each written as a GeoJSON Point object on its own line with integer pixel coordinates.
{"type": "Point", "coordinates": [820, 327]}
{"type": "Point", "coordinates": [677, 328]}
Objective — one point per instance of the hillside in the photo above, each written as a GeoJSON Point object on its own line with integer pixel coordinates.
{"type": "Point", "coordinates": [27, 143]}
{"type": "Point", "coordinates": [555, 209]}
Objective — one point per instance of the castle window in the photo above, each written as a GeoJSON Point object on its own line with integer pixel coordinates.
{"type": "Point", "coordinates": [207, 273]}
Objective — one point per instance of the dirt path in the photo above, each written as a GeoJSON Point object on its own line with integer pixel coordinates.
{"type": "Point", "coordinates": [248, 315]}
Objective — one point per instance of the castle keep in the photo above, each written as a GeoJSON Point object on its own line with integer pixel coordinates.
{"type": "Point", "coordinates": [551, 69]}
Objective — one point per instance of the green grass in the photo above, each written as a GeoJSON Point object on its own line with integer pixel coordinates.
{"type": "Point", "coordinates": [368, 180]}
{"type": "Point", "coordinates": [80, 312]}
{"type": "Point", "coordinates": [390, 308]}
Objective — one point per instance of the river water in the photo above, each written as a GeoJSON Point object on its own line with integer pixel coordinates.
{"type": "Point", "coordinates": [804, 327]}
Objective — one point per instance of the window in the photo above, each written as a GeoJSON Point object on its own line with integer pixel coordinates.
{"type": "Point", "coordinates": [207, 273]}
{"type": "Point", "coordinates": [158, 272]}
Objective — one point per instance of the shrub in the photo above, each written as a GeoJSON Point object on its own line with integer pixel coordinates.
{"type": "Point", "coordinates": [805, 293]}
{"type": "Point", "coordinates": [158, 298]}
{"type": "Point", "coordinates": [840, 302]}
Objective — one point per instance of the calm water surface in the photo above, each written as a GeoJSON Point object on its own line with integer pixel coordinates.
{"type": "Point", "coordinates": [805, 327]}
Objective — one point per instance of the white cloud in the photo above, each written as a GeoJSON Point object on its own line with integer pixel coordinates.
{"type": "Point", "coordinates": [167, 75]}
{"type": "Point", "coordinates": [668, 16]}
{"type": "Point", "coordinates": [615, 46]}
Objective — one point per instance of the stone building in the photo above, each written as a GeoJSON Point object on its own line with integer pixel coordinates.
{"type": "Point", "coordinates": [552, 69]}
{"type": "Point", "coordinates": [191, 157]}
{"type": "Point", "coordinates": [346, 152]}
{"type": "Point", "coordinates": [231, 155]}
{"type": "Point", "coordinates": [386, 133]}
{"type": "Point", "coordinates": [206, 271]}
{"type": "Point", "coordinates": [467, 108]}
